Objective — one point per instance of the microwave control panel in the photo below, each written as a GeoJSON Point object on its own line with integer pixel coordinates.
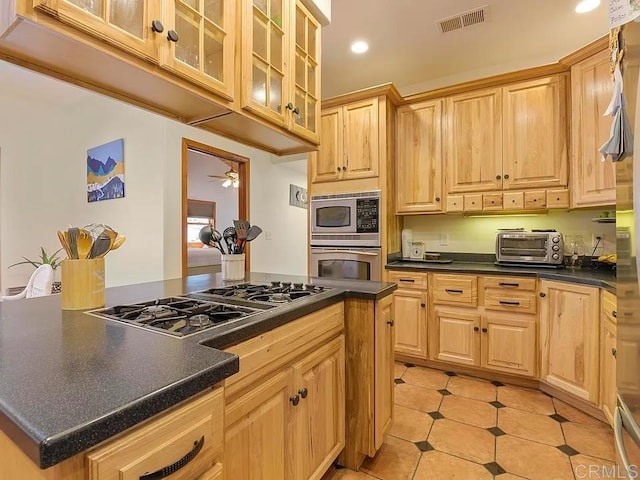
{"type": "Point", "coordinates": [367, 215]}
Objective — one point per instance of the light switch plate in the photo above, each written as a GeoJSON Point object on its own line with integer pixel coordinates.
{"type": "Point", "coordinates": [297, 196]}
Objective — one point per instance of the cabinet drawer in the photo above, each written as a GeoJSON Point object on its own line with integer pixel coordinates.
{"type": "Point", "coordinates": [455, 289]}
{"type": "Point", "coordinates": [492, 201]}
{"type": "Point", "coordinates": [455, 203]}
{"type": "Point", "coordinates": [557, 198]}
{"type": "Point", "coordinates": [473, 203]}
{"type": "Point", "coordinates": [510, 283]}
{"type": "Point", "coordinates": [513, 200]}
{"type": "Point", "coordinates": [194, 429]}
{"type": "Point", "coordinates": [535, 199]}
{"type": "Point", "coordinates": [609, 304]}
{"type": "Point", "coordinates": [409, 279]}
{"type": "Point", "coordinates": [510, 300]}
{"type": "Point", "coordinates": [214, 473]}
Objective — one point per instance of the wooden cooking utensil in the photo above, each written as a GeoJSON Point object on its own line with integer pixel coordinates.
{"type": "Point", "coordinates": [117, 243]}
{"type": "Point", "coordinates": [85, 242]}
{"type": "Point", "coordinates": [63, 242]}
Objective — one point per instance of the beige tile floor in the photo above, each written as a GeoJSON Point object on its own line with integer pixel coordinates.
{"type": "Point", "coordinates": [449, 426]}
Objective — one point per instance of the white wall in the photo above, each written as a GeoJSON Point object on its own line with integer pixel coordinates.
{"type": "Point", "coordinates": [202, 187]}
{"type": "Point", "coordinates": [478, 234]}
{"type": "Point", "coordinates": [45, 129]}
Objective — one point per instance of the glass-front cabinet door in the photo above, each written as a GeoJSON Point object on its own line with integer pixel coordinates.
{"type": "Point", "coordinates": [133, 25]}
{"type": "Point", "coordinates": [199, 42]}
{"type": "Point", "coordinates": [265, 58]}
{"type": "Point", "coordinates": [306, 88]}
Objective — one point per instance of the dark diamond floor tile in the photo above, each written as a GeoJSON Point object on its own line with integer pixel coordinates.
{"type": "Point", "coordinates": [399, 381]}
{"type": "Point", "coordinates": [496, 404]}
{"type": "Point", "coordinates": [444, 391]}
{"type": "Point", "coordinates": [494, 468]}
{"type": "Point", "coordinates": [424, 446]}
{"type": "Point", "coordinates": [451, 374]}
{"type": "Point", "coordinates": [567, 450]}
{"type": "Point", "coordinates": [497, 384]}
{"type": "Point", "coordinates": [496, 432]}
{"type": "Point", "coordinates": [436, 415]}
{"type": "Point", "coordinates": [409, 365]}
{"type": "Point", "coordinates": [558, 418]}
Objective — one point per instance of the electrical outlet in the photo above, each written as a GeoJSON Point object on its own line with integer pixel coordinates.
{"type": "Point", "coordinates": [444, 239]}
{"type": "Point", "coordinates": [267, 235]}
{"type": "Point", "coordinates": [597, 243]}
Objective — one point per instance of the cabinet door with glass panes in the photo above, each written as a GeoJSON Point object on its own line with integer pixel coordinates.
{"type": "Point", "coordinates": [199, 42]}
{"type": "Point", "coordinates": [132, 25]}
{"type": "Point", "coordinates": [265, 58]}
{"type": "Point", "coordinates": [306, 87]}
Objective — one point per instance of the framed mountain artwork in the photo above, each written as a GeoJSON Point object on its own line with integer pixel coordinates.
{"type": "Point", "coordinates": [105, 171]}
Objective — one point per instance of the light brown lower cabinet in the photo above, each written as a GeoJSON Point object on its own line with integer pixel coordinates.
{"type": "Point", "coordinates": [608, 354]}
{"type": "Point", "coordinates": [456, 335]}
{"type": "Point", "coordinates": [410, 316]}
{"type": "Point", "coordinates": [292, 425]}
{"type": "Point", "coordinates": [384, 332]}
{"type": "Point", "coordinates": [509, 343]}
{"type": "Point", "coordinates": [569, 338]}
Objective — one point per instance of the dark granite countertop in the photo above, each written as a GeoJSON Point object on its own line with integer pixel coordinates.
{"type": "Point", "coordinates": [70, 380]}
{"type": "Point", "coordinates": [585, 276]}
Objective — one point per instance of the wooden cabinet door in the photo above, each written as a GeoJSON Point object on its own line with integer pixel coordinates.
{"type": "Point", "coordinates": [306, 74]}
{"type": "Point", "coordinates": [457, 336]}
{"type": "Point", "coordinates": [326, 165]}
{"type": "Point", "coordinates": [419, 158]}
{"type": "Point", "coordinates": [608, 368]}
{"type": "Point", "coordinates": [593, 182]}
{"type": "Point", "coordinates": [257, 433]}
{"type": "Point", "coordinates": [123, 23]}
{"type": "Point", "coordinates": [509, 343]}
{"type": "Point", "coordinates": [265, 58]}
{"type": "Point", "coordinates": [318, 418]}
{"type": "Point", "coordinates": [474, 141]}
{"type": "Point", "coordinates": [535, 134]}
{"type": "Point", "coordinates": [361, 139]}
{"type": "Point", "coordinates": [384, 384]}
{"type": "Point", "coordinates": [204, 51]}
{"type": "Point", "coordinates": [410, 317]}
{"type": "Point", "coordinates": [569, 337]}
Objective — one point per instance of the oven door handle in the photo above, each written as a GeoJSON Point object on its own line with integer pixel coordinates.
{"type": "Point", "coordinates": [355, 252]}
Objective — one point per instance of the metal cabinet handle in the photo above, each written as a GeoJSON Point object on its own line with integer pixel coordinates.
{"type": "Point", "coordinates": [450, 290]}
{"type": "Point", "coordinates": [390, 323]}
{"type": "Point", "coordinates": [509, 284]}
{"type": "Point", "coordinates": [303, 392]}
{"type": "Point", "coordinates": [614, 352]}
{"type": "Point", "coordinates": [289, 106]}
{"type": "Point", "coordinates": [344, 168]}
{"type": "Point", "coordinates": [339, 169]}
{"type": "Point", "coordinates": [542, 294]}
{"type": "Point", "coordinates": [296, 111]}
{"type": "Point", "coordinates": [484, 330]}
{"type": "Point", "coordinates": [614, 314]}
{"type": "Point", "coordinates": [476, 329]}
{"type": "Point", "coordinates": [172, 35]}
{"type": "Point", "coordinates": [156, 26]}
{"type": "Point", "coordinates": [506, 176]}
{"type": "Point", "coordinates": [174, 467]}
{"type": "Point", "coordinates": [423, 305]}
{"type": "Point", "coordinates": [498, 177]}
{"type": "Point", "coordinates": [505, 302]}
{"type": "Point", "coordinates": [407, 280]}
{"type": "Point", "coordinates": [437, 199]}
{"type": "Point", "coordinates": [295, 400]}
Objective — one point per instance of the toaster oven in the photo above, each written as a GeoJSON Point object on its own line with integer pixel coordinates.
{"type": "Point", "coordinates": [543, 248]}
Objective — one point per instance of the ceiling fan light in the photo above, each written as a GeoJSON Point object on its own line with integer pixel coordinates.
{"type": "Point", "coordinates": [236, 183]}
{"type": "Point", "coordinates": [226, 183]}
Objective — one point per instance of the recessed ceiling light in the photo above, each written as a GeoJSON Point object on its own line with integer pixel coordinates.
{"type": "Point", "coordinates": [587, 5]}
{"type": "Point", "coordinates": [359, 47]}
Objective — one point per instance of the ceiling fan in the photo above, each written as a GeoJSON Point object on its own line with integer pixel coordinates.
{"type": "Point", "coordinates": [230, 178]}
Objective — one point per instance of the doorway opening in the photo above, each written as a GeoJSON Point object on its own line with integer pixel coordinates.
{"type": "Point", "coordinates": [215, 191]}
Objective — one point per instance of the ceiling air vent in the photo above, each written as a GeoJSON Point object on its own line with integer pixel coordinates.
{"type": "Point", "coordinates": [464, 19]}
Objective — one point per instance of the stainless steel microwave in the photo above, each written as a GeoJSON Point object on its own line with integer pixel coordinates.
{"type": "Point", "coordinates": [343, 220]}
{"type": "Point", "coordinates": [545, 248]}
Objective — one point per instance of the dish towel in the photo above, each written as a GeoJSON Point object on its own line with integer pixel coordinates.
{"type": "Point", "coordinates": [620, 143]}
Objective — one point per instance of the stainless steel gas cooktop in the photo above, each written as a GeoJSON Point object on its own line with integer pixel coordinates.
{"type": "Point", "coordinates": [181, 316]}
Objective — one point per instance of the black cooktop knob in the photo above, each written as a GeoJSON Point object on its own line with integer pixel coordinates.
{"type": "Point", "coordinates": [275, 284]}
{"type": "Point", "coordinates": [310, 286]}
{"type": "Point", "coordinates": [298, 286]}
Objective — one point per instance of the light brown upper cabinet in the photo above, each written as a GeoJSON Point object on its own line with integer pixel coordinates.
{"type": "Point", "coordinates": [280, 57]}
{"type": "Point", "coordinates": [593, 182]}
{"type": "Point", "coordinates": [349, 146]}
{"type": "Point", "coordinates": [199, 44]}
{"type": "Point", "coordinates": [419, 158]}
{"type": "Point", "coordinates": [474, 141]}
{"type": "Point", "coordinates": [133, 25]}
{"type": "Point", "coordinates": [535, 134]}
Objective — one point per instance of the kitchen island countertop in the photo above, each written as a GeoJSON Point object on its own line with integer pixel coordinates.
{"type": "Point", "coordinates": [70, 380]}
{"type": "Point", "coordinates": [584, 276]}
